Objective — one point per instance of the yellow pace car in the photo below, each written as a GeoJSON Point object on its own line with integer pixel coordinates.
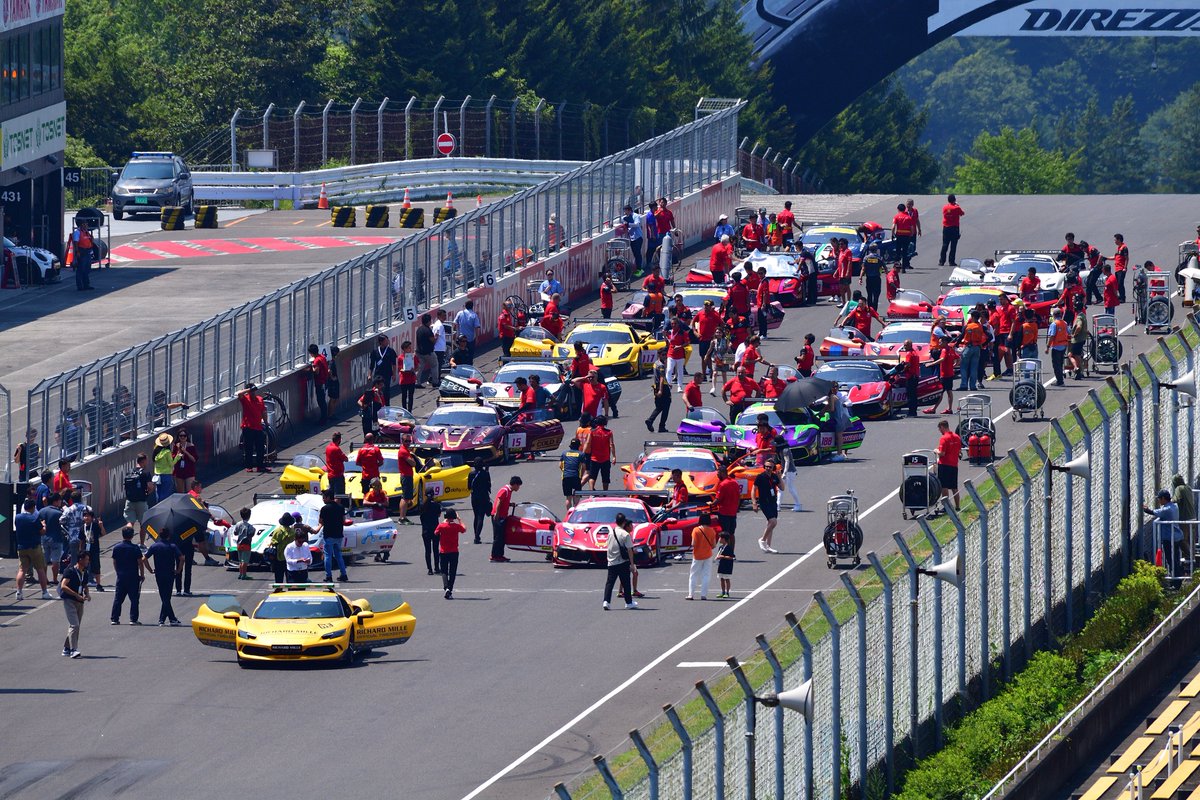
{"type": "Point", "coordinates": [304, 622]}
{"type": "Point", "coordinates": [623, 346]}
{"type": "Point", "coordinates": [446, 476]}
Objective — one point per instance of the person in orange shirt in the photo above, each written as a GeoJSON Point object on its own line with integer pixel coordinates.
{"type": "Point", "coordinates": [704, 539]}
{"type": "Point", "coordinates": [973, 340]}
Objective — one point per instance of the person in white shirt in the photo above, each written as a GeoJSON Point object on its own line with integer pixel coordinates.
{"type": "Point", "coordinates": [298, 558]}
{"type": "Point", "coordinates": [439, 338]}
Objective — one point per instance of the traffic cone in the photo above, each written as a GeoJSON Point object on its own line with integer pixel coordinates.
{"type": "Point", "coordinates": [323, 201]}
{"type": "Point", "coordinates": [406, 203]}
{"type": "Point", "coordinates": [449, 200]}
{"type": "Point", "coordinates": [478, 201]}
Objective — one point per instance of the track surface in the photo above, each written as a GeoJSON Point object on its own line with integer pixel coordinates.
{"type": "Point", "coordinates": [489, 697]}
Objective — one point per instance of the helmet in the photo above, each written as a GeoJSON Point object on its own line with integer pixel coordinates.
{"type": "Point", "coordinates": [873, 246]}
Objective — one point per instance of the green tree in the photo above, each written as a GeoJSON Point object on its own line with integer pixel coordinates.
{"type": "Point", "coordinates": [1014, 162]}
{"type": "Point", "coordinates": [1171, 138]}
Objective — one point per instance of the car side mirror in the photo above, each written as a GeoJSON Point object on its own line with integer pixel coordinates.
{"type": "Point", "coordinates": [232, 616]}
{"type": "Point", "coordinates": [627, 468]}
{"type": "Point", "coordinates": [364, 615]}
{"type": "Point", "coordinates": [116, 176]}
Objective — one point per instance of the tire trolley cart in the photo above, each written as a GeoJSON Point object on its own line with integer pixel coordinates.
{"type": "Point", "coordinates": [843, 536]}
{"type": "Point", "coordinates": [976, 429]}
{"type": "Point", "coordinates": [1106, 347]}
{"type": "Point", "coordinates": [920, 489]}
{"type": "Point", "coordinates": [1027, 394]}
{"type": "Point", "coordinates": [1158, 310]}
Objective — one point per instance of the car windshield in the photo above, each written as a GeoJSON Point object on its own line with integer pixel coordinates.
{"type": "Point", "coordinates": [749, 418]}
{"type": "Point", "coordinates": [1022, 267]}
{"type": "Point", "coordinates": [814, 237]}
{"type": "Point", "coordinates": [394, 414]}
{"type": "Point", "coordinates": [598, 513]}
{"type": "Point", "coordinates": [688, 462]}
{"type": "Point", "coordinates": [473, 416]}
{"type": "Point", "coordinates": [509, 373]}
{"type": "Point", "coordinates": [389, 463]}
{"type": "Point", "coordinates": [968, 298]}
{"type": "Point", "coordinates": [696, 299]}
{"type": "Point", "coordinates": [601, 336]}
{"type": "Point", "coordinates": [705, 414]}
{"type": "Point", "coordinates": [536, 333]}
{"type": "Point", "coordinates": [911, 296]}
{"type": "Point", "coordinates": [777, 267]}
{"type": "Point", "coordinates": [268, 513]}
{"type": "Point", "coordinates": [148, 170]}
{"type": "Point", "coordinates": [899, 335]}
{"type": "Point", "coordinates": [300, 608]}
{"type": "Point", "coordinates": [852, 374]}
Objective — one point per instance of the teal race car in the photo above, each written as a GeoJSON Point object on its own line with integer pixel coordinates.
{"type": "Point", "coordinates": [808, 432]}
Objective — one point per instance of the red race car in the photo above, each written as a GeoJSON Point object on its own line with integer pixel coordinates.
{"type": "Point", "coordinates": [872, 391]}
{"type": "Point", "coordinates": [910, 304]}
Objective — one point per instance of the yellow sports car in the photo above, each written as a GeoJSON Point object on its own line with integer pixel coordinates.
{"type": "Point", "coordinates": [446, 476]}
{"type": "Point", "coordinates": [304, 622]}
{"type": "Point", "coordinates": [617, 344]}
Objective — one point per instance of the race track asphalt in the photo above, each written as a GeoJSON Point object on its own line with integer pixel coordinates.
{"type": "Point", "coordinates": [487, 699]}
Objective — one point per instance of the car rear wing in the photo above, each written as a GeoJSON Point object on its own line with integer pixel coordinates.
{"type": "Point", "coordinates": [388, 445]}
{"type": "Point", "coordinates": [716, 447]}
{"type": "Point", "coordinates": [1001, 253]}
{"type": "Point", "coordinates": [855, 357]}
{"type": "Point", "coordinates": [534, 359]}
{"type": "Point", "coordinates": [710, 285]}
{"type": "Point", "coordinates": [633, 323]}
{"type": "Point", "coordinates": [815, 223]}
{"type": "Point", "coordinates": [304, 587]}
{"type": "Point", "coordinates": [648, 497]}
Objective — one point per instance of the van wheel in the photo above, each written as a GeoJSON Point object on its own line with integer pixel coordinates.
{"type": "Point", "coordinates": [118, 214]}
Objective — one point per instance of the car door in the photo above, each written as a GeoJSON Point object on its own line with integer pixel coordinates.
{"type": "Point", "coordinates": [530, 526]}
{"type": "Point", "coordinates": [389, 621]}
{"type": "Point", "coordinates": [212, 627]}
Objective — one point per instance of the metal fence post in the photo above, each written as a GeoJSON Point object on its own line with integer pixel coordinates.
{"type": "Point", "coordinates": [296, 136]}
{"type": "Point", "coordinates": [1026, 551]}
{"type": "Point", "coordinates": [860, 609]}
{"type": "Point", "coordinates": [512, 123]}
{"type": "Point", "coordinates": [266, 123]}
{"type": "Point", "coordinates": [437, 123]}
{"type": "Point", "coordinates": [985, 653]}
{"type": "Point", "coordinates": [1047, 573]}
{"type": "Point", "coordinates": [325, 133]}
{"type": "Point", "coordinates": [1106, 489]}
{"type": "Point", "coordinates": [537, 128]}
{"type": "Point", "coordinates": [914, 719]}
{"type": "Point", "coordinates": [806, 654]}
{"type": "Point", "coordinates": [354, 131]}
{"type": "Point", "coordinates": [651, 764]}
{"type": "Point", "coordinates": [561, 791]}
{"type": "Point", "coordinates": [835, 724]}
{"type": "Point", "coordinates": [614, 788]}
{"type": "Point", "coordinates": [719, 737]}
{"type": "Point", "coordinates": [938, 638]}
{"type": "Point", "coordinates": [233, 159]}
{"type": "Point", "coordinates": [685, 743]}
{"type": "Point", "coordinates": [1068, 524]}
{"type": "Point", "coordinates": [888, 668]}
{"type": "Point", "coordinates": [1087, 505]}
{"type": "Point", "coordinates": [777, 674]}
{"type": "Point", "coordinates": [1162, 343]}
{"type": "Point", "coordinates": [487, 126]}
{"type": "Point", "coordinates": [1129, 427]}
{"type": "Point", "coordinates": [408, 128]}
{"type": "Point", "coordinates": [751, 724]}
{"type": "Point", "coordinates": [1155, 419]}
{"type": "Point", "coordinates": [462, 126]}
{"type": "Point", "coordinates": [1005, 569]}
{"type": "Point", "coordinates": [562, 107]}
{"type": "Point", "coordinates": [379, 128]}
{"type": "Point", "coordinates": [961, 538]}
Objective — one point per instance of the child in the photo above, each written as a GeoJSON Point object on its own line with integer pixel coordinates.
{"type": "Point", "coordinates": [408, 374]}
{"type": "Point", "coordinates": [448, 533]}
{"type": "Point", "coordinates": [571, 463]}
{"type": "Point", "coordinates": [243, 534]}
{"type": "Point", "coordinates": [725, 559]}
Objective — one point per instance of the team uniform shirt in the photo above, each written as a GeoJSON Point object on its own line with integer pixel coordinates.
{"type": "Point", "coordinates": [749, 359]}
{"type": "Point", "coordinates": [507, 329]}
{"type": "Point", "coordinates": [402, 465]}
{"type": "Point", "coordinates": [912, 364]}
{"type": "Point", "coordinates": [1121, 259]}
{"type": "Point", "coordinates": [738, 298]}
{"type": "Point", "coordinates": [1007, 316]}
{"type": "Point", "coordinates": [751, 236]}
{"type": "Point", "coordinates": [677, 345]}
{"type": "Point", "coordinates": [320, 367]}
{"type": "Point", "coordinates": [606, 296]}
{"type": "Point", "coordinates": [665, 221]}
{"type": "Point", "coordinates": [728, 498]}
{"type": "Point", "coordinates": [335, 461]}
{"type": "Point", "coordinates": [501, 505]}
{"type": "Point", "coordinates": [893, 284]}
{"type": "Point", "coordinates": [593, 395]}
{"type": "Point", "coordinates": [1030, 286]}
{"type": "Point", "coordinates": [786, 221]}
{"type": "Point", "coordinates": [806, 359]}
{"type": "Point", "coordinates": [771, 387]}
{"type": "Point", "coordinates": [762, 295]}
{"type": "Point", "coordinates": [740, 388]}
{"type": "Point", "coordinates": [581, 365]}
{"type": "Point", "coordinates": [601, 445]}
{"type": "Point", "coordinates": [693, 395]}
{"type": "Point", "coordinates": [720, 259]}
{"type": "Point", "coordinates": [253, 409]}
{"type": "Point", "coordinates": [654, 284]}
{"type": "Point", "coordinates": [62, 483]}
{"type": "Point", "coordinates": [1112, 292]}
{"type": "Point", "coordinates": [845, 265]}
{"type": "Point", "coordinates": [948, 367]}
{"type": "Point", "coordinates": [448, 533]}
{"type": "Point", "coordinates": [706, 323]}
{"type": "Point", "coordinates": [949, 448]}
{"type": "Point", "coordinates": [952, 215]}
{"type": "Point", "coordinates": [679, 494]}
{"type": "Point", "coordinates": [903, 224]}
{"type": "Point", "coordinates": [861, 317]}
{"type": "Point", "coordinates": [370, 459]}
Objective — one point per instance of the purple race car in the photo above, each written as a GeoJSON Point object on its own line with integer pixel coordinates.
{"type": "Point", "coordinates": [808, 433]}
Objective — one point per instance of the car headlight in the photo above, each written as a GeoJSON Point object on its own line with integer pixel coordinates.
{"type": "Point", "coordinates": [334, 634]}
{"type": "Point", "coordinates": [245, 634]}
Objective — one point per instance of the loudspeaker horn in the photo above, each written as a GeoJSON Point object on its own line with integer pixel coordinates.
{"type": "Point", "coordinates": [1184, 384]}
{"type": "Point", "coordinates": [949, 571]}
{"type": "Point", "coordinates": [799, 699]}
{"type": "Point", "coordinates": [1080, 467]}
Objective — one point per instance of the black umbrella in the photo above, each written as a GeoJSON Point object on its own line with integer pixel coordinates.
{"type": "Point", "coordinates": [179, 515]}
{"type": "Point", "coordinates": [800, 394]}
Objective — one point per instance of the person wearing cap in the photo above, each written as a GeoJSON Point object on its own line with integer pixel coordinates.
{"type": "Point", "coordinates": [254, 436]}
{"type": "Point", "coordinates": [723, 228]}
{"type": "Point", "coordinates": [447, 534]}
{"type": "Point", "coordinates": [164, 560]}
{"type": "Point", "coordinates": [279, 537]}
{"type": "Point", "coordinates": [131, 571]}
{"type": "Point", "coordinates": [1167, 533]}
{"type": "Point", "coordinates": [430, 514]}
{"type": "Point", "coordinates": [1057, 338]}
{"type": "Point", "coordinates": [550, 287]}
{"type": "Point", "coordinates": [164, 459]}
{"type": "Point", "coordinates": [501, 511]}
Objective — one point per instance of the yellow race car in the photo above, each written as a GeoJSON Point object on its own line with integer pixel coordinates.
{"type": "Point", "coordinates": [446, 476]}
{"type": "Point", "coordinates": [621, 345]}
{"type": "Point", "coordinates": [304, 622]}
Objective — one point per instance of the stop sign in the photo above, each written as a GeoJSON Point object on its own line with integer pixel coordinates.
{"type": "Point", "coordinates": [445, 143]}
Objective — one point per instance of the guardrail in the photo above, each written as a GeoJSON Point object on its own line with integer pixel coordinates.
{"type": "Point", "coordinates": [377, 181]}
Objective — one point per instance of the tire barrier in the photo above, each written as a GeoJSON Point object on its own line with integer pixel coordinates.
{"type": "Point", "coordinates": [343, 216]}
{"type": "Point", "coordinates": [171, 218]}
{"type": "Point", "coordinates": [206, 216]}
{"type": "Point", "coordinates": [443, 214]}
{"type": "Point", "coordinates": [411, 218]}
{"type": "Point", "coordinates": [377, 216]}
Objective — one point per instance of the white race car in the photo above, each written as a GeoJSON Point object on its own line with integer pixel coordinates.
{"type": "Point", "coordinates": [1011, 267]}
{"type": "Point", "coordinates": [363, 536]}
{"type": "Point", "coordinates": [46, 262]}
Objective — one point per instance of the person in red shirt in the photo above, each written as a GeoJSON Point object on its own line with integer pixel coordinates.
{"type": "Point", "coordinates": [601, 451]}
{"type": "Point", "coordinates": [62, 479]}
{"type": "Point", "coordinates": [1030, 285]}
{"type": "Point", "coordinates": [1006, 318]}
{"type": "Point", "coordinates": [448, 533]}
{"type": "Point", "coordinates": [910, 367]}
{"type": "Point", "coordinates": [947, 366]}
{"type": "Point", "coordinates": [705, 325]}
{"type": "Point", "coordinates": [751, 236]}
{"type": "Point", "coordinates": [904, 234]}
{"type": "Point", "coordinates": [693, 392]}
{"type": "Point", "coordinates": [679, 490]}
{"type": "Point", "coordinates": [728, 499]}
{"type": "Point", "coordinates": [607, 287]}
{"type": "Point", "coordinates": [772, 384]}
{"type": "Point", "coordinates": [738, 391]}
{"type": "Point", "coordinates": [762, 301]}
{"type": "Point", "coordinates": [581, 364]}
{"type": "Point", "coordinates": [892, 282]}
{"type": "Point", "coordinates": [787, 224]}
{"type": "Point", "coordinates": [948, 450]}
{"type": "Point", "coordinates": [1071, 252]}
{"type": "Point", "coordinates": [369, 459]}
{"type": "Point", "coordinates": [335, 464]}
{"type": "Point", "coordinates": [654, 282]}
{"type": "Point", "coordinates": [407, 364]}
{"type": "Point", "coordinates": [844, 270]}
{"type": "Point", "coordinates": [916, 215]}
{"type": "Point", "coordinates": [677, 344]}
{"type": "Point", "coordinates": [720, 259]}
{"type": "Point", "coordinates": [508, 329]}
{"type": "Point", "coordinates": [804, 361]}
{"type": "Point", "coordinates": [664, 218]}
{"type": "Point", "coordinates": [752, 356]}
{"type": "Point", "coordinates": [862, 315]}
{"type": "Point", "coordinates": [1112, 290]}
{"type": "Point", "coordinates": [595, 393]}
{"type": "Point", "coordinates": [552, 321]}
{"type": "Point", "coordinates": [1120, 264]}
{"type": "Point", "coordinates": [752, 278]}
{"type": "Point", "coordinates": [764, 439]}
{"type": "Point", "coordinates": [737, 297]}
{"type": "Point", "coordinates": [952, 215]}
{"type": "Point", "coordinates": [254, 438]}
{"type": "Point", "coordinates": [501, 510]}
{"type": "Point", "coordinates": [318, 368]}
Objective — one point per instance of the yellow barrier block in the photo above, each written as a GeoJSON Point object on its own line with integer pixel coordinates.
{"type": "Point", "coordinates": [343, 216]}
{"type": "Point", "coordinates": [377, 216]}
{"type": "Point", "coordinates": [411, 218]}
{"type": "Point", "coordinates": [171, 218]}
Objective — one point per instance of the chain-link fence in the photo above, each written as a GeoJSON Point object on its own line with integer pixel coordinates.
{"type": "Point", "coordinates": [133, 393]}
{"type": "Point", "coordinates": [887, 657]}
{"type": "Point", "coordinates": [780, 172]}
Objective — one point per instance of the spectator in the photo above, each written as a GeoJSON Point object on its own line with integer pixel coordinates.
{"type": "Point", "coordinates": [427, 364]}
{"type": "Point", "coordinates": [27, 456]}
{"type": "Point", "coordinates": [447, 535]}
{"type": "Point", "coordinates": [254, 436]}
{"type": "Point", "coordinates": [408, 375]}
{"type": "Point", "coordinates": [651, 226]}
{"type": "Point", "coordinates": [139, 484]}
{"type": "Point", "coordinates": [335, 464]}
{"type": "Point", "coordinates": [54, 541]}
{"type": "Point", "coordinates": [382, 361]}
{"type": "Point", "coordinates": [31, 560]}
{"type": "Point", "coordinates": [725, 558]}
{"type": "Point", "coordinates": [186, 457]}
{"type": "Point", "coordinates": [72, 522]}
{"type": "Point", "coordinates": [165, 562]}
{"type": "Point", "coordinates": [501, 509]}
{"type": "Point", "coordinates": [479, 482]}
{"type": "Point", "coordinates": [160, 410]}
{"type": "Point", "coordinates": [550, 287]}
{"type": "Point", "coordinates": [440, 338]}
{"type": "Point", "coordinates": [281, 535]}
{"type": "Point", "coordinates": [719, 354]}
{"type": "Point", "coordinates": [704, 539]}
{"type": "Point", "coordinates": [69, 435]}
{"type": "Point", "coordinates": [130, 571]}
{"type": "Point", "coordinates": [431, 515]}
{"type": "Point", "coordinates": [333, 387]}
{"type": "Point", "coordinates": [73, 588]}
{"type": "Point", "coordinates": [243, 537]}
{"type": "Point", "coordinates": [1184, 498]}
{"type": "Point", "coordinates": [372, 400]}
{"type": "Point", "coordinates": [619, 558]}
{"type": "Point", "coordinates": [298, 557]}
{"type": "Point", "coordinates": [633, 226]}
{"type": "Point", "coordinates": [318, 368]}
{"type": "Point", "coordinates": [839, 418]}
{"type": "Point", "coordinates": [1079, 337]}
{"type": "Point", "coordinates": [723, 228]}
{"type": "Point", "coordinates": [1167, 533]}
{"type": "Point", "coordinates": [89, 542]}
{"type": "Point", "coordinates": [948, 451]}
{"type": "Point", "coordinates": [467, 325]}
{"type": "Point", "coordinates": [43, 490]}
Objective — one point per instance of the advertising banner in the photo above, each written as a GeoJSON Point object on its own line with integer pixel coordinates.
{"type": "Point", "coordinates": [1073, 18]}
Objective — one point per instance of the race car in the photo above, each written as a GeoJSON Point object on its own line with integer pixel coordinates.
{"type": "Point", "coordinates": [304, 622]}
{"type": "Point", "coordinates": [816, 239]}
{"type": "Point", "coordinates": [873, 392]}
{"type": "Point", "coordinates": [1010, 267]}
{"type": "Point", "coordinates": [651, 471]}
{"type": "Point", "coordinates": [910, 304]}
{"type": "Point", "coordinates": [473, 429]}
{"type": "Point", "coordinates": [363, 536]}
{"type": "Point", "coordinates": [953, 303]}
{"type": "Point", "coordinates": [393, 422]}
{"type": "Point", "coordinates": [893, 336]}
{"type": "Point", "coordinates": [694, 296]}
{"type": "Point", "coordinates": [783, 274]}
{"type": "Point", "coordinates": [808, 432]}
{"type": "Point", "coordinates": [624, 346]}
{"type": "Point", "coordinates": [447, 477]}
{"type": "Point", "coordinates": [46, 263]}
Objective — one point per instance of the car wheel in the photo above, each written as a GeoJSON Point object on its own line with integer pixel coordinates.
{"type": "Point", "coordinates": [348, 656]}
{"type": "Point", "coordinates": [118, 214]}
{"type": "Point", "coordinates": [505, 455]}
{"type": "Point", "coordinates": [244, 663]}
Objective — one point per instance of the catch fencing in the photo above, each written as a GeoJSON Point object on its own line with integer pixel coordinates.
{"type": "Point", "coordinates": [894, 653]}
{"type": "Point", "coordinates": [772, 168]}
{"type": "Point", "coordinates": [134, 393]}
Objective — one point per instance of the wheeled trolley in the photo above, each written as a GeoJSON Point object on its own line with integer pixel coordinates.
{"type": "Point", "coordinates": [1157, 310]}
{"type": "Point", "coordinates": [1027, 394]}
{"type": "Point", "coordinates": [1106, 347]}
{"type": "Point", "coordinates": [843, 536]}
{"type": "Point", "coordinates": [919, 485]}
{"type": "Point", "coordinates": [618, 260]}
{"type": "Point", "coordinates": [976, 429]}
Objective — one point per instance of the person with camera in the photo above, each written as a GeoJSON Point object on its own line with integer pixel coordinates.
{"type": "Point", "coordinates": [620, 562]}
{"type": "Point", "coordinates": [139, 486]}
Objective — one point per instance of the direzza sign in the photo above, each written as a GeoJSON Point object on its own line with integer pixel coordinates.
{"type": "Point", "coordinates": [15, 13]}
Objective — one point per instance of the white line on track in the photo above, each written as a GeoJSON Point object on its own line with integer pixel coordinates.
{"type": "Point", "coordinates": [700, 664]}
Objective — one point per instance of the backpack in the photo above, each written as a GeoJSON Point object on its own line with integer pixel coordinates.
{"type": "Point", "coordinates": [135, 487]}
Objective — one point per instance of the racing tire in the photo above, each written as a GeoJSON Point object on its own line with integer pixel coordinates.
{"type": "Point", "coordinates": [383, 557]}
{"type": "Point", "coordinates": [1027, 396]}
{"type": "Point", "coordinates": [620, 270]}
{"type": "Point", "coordinates": [349, 655]}
{"type": "Point", "coordinates": [1106, 349]}
{"type": "Point", "coordinates": [1159, 312]}
{"type": "Point", "coordinates": [518, 303]}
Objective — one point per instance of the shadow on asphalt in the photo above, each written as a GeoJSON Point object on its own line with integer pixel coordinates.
{"type": "Point", "coordinates": [18, 307]}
